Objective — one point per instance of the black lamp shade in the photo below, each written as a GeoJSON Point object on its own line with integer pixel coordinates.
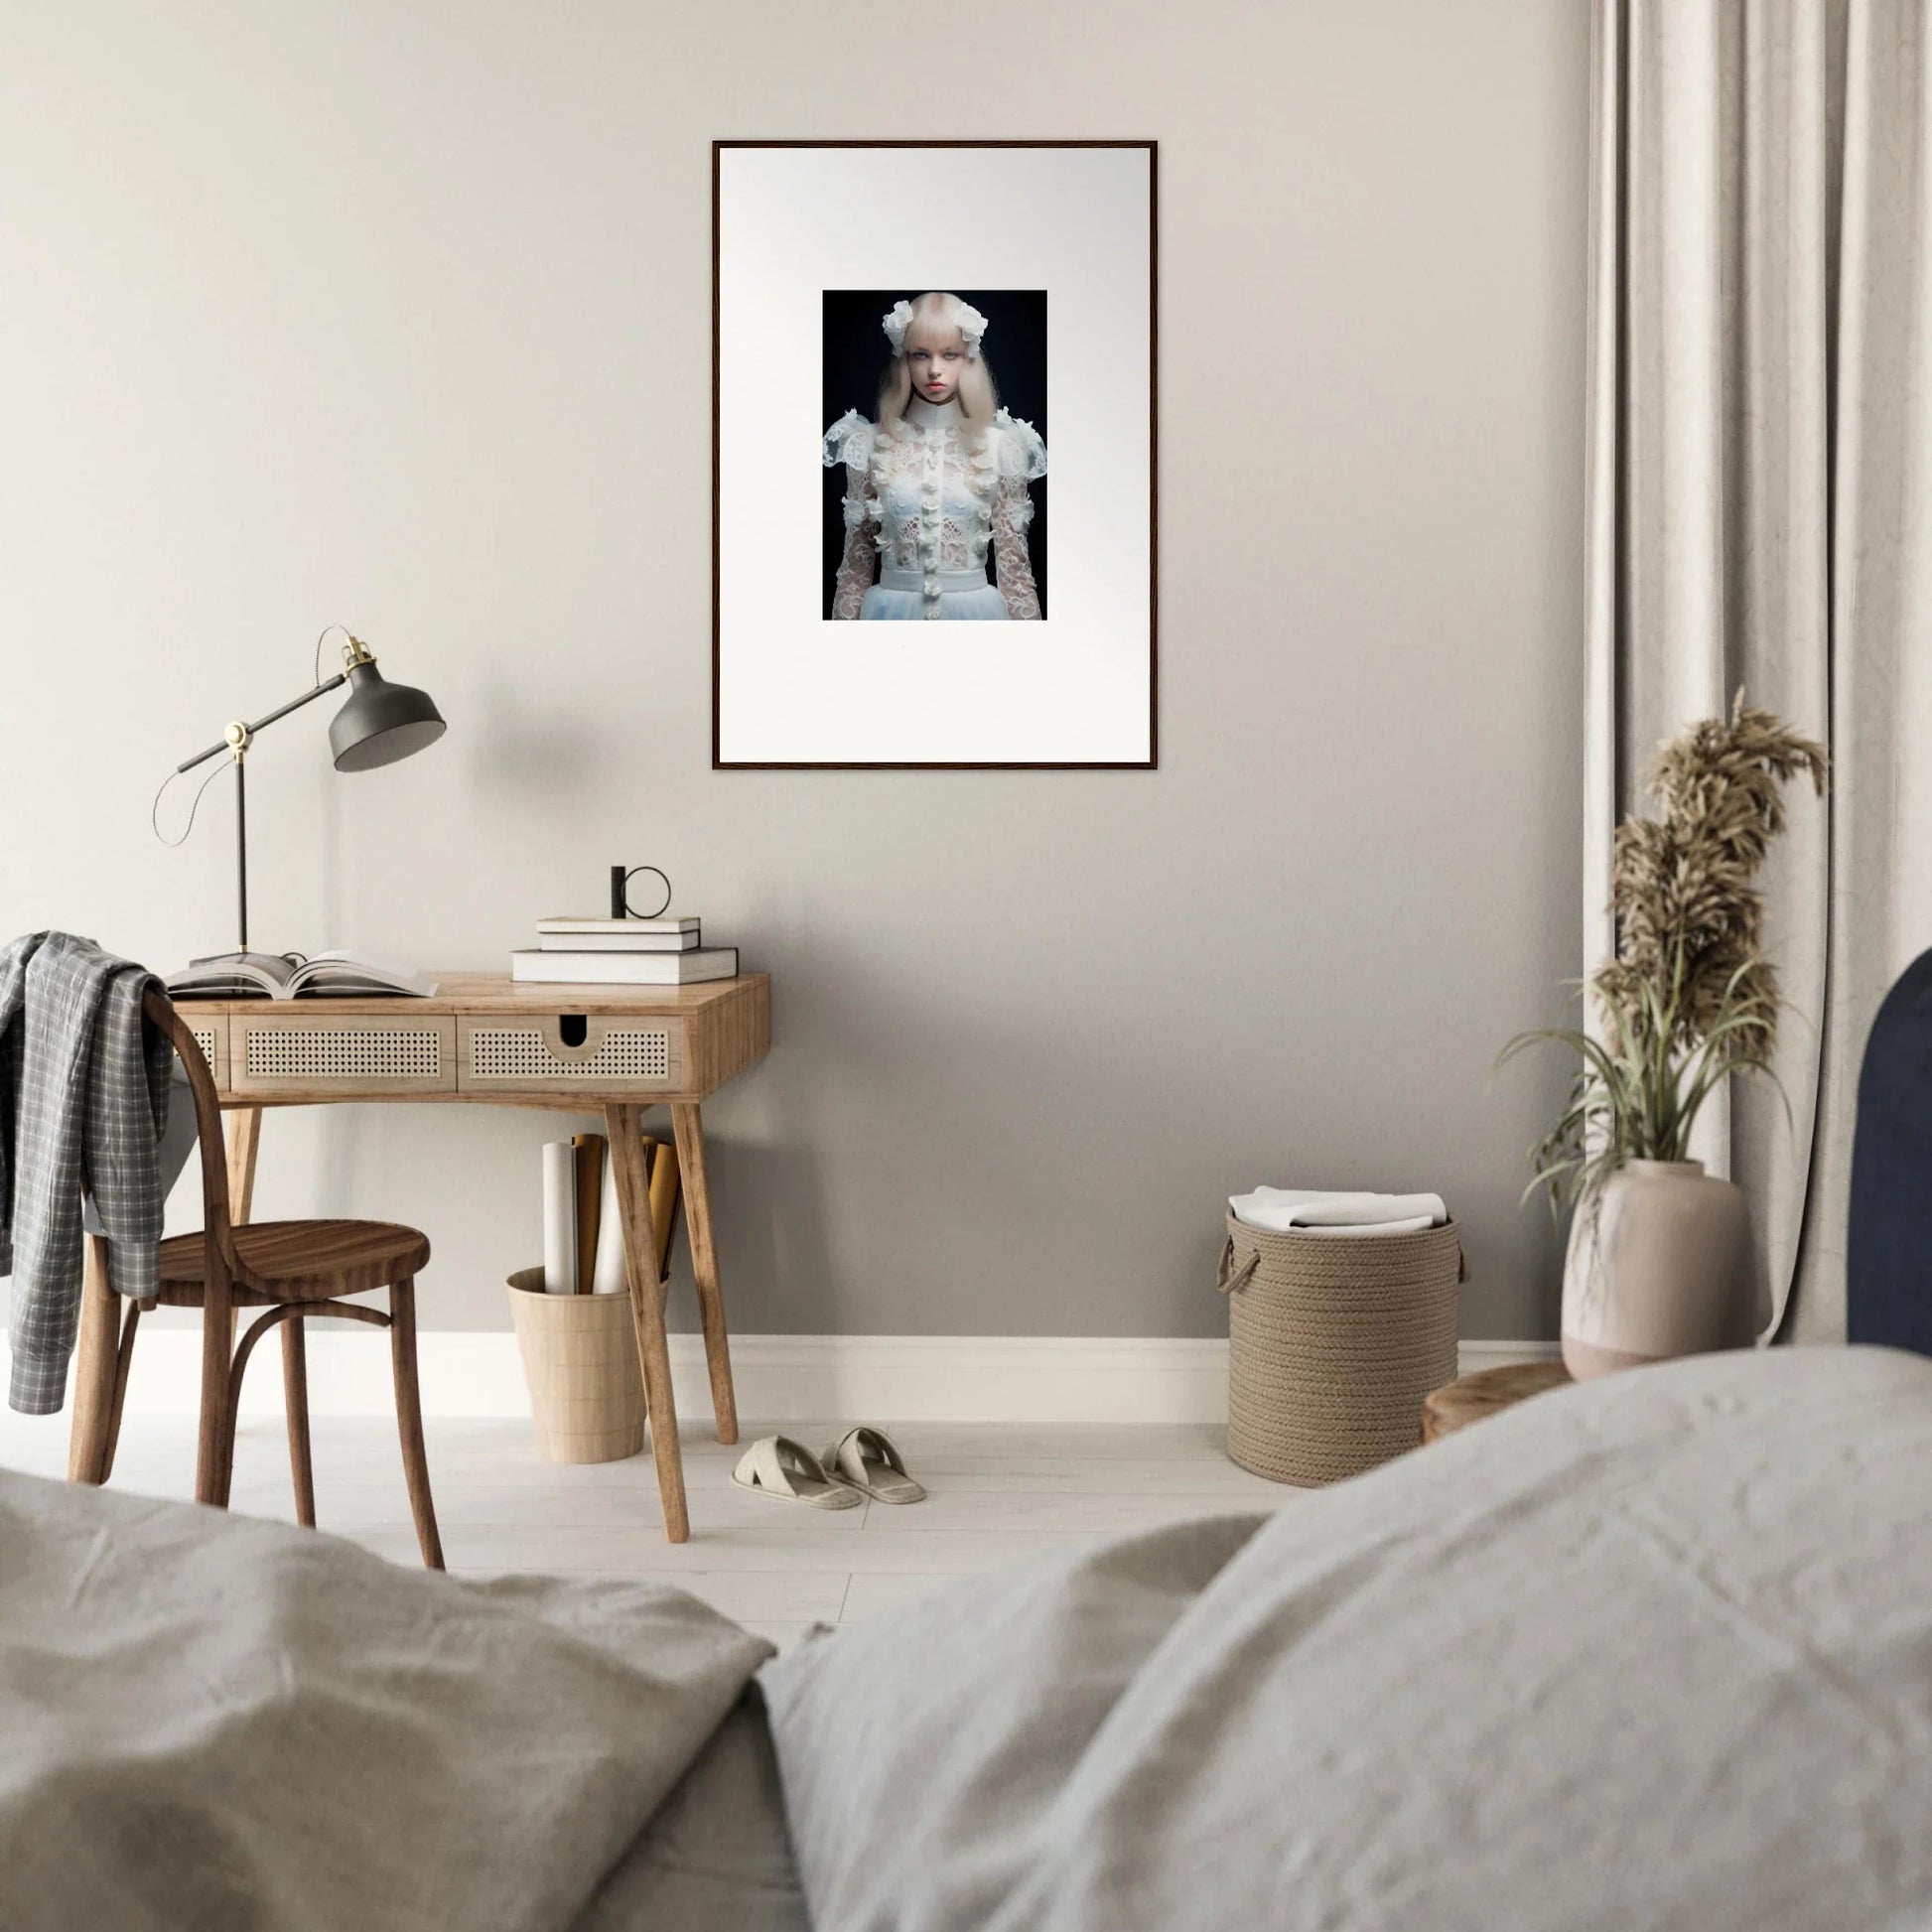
{"type": "Point", "coordinates": [381, 722]}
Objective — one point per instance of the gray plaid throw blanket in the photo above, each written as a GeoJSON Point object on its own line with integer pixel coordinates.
{"type": "Point", "coordinates": [82, 1087]}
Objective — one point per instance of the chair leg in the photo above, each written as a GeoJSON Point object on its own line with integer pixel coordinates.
{"type": "Point", "coordinates": [94, 1368]}
{"type": "Point", "coordinates": [123, 1361]}
{"type": "Point", "coordinates": [409, 1417]}
{"type": "Point", "coordinates": [215, 1450]}
{"type": "Point", "coordinates": [295, 1399]}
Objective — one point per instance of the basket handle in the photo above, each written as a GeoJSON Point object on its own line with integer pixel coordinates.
{"type": "Point", "coordinates": [1228, 1278]}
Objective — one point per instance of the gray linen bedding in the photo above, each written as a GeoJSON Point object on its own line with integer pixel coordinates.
{"type": "Point", "coordinates": [1655, 1652]}
{"type": "Point", "coordinates": [215, 1724]}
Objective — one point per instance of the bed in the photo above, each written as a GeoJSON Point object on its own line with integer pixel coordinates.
{"type": "Point", "coordinates": [1654, 1651]}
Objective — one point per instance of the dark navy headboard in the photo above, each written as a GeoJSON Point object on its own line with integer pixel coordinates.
{"type": "Point", "coordinates": [1889, 1244]}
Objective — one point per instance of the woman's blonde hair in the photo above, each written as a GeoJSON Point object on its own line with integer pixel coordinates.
{"type": "Point", "coordinates": [935, 325]}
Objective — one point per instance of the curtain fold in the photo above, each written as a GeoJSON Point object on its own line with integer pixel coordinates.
{"type": "Point", "coordinates": [1760, 383]}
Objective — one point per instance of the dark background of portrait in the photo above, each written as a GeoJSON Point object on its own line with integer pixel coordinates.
{"type": "Point", "coordinates": [856, 352]}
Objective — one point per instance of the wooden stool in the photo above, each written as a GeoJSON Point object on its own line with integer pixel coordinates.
{"type": "Point", "coordinates": [294, 1271]}
{"type": "Point", "coordinates": [1486, 1393]}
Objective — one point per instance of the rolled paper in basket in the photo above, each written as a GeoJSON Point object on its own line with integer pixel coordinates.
{"type": "Point", "coordinates": [559, 1218]}
{"type": "Point", "coordinates": [607, 1276]}
{"type": "Point", "coordinates": [588, 1151]}
{"type": "Point", "coordinates": [663, 1200]}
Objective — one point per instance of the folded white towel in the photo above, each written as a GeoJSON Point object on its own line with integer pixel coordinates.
{"type": "Point", "coordinates": [1312, 1212]}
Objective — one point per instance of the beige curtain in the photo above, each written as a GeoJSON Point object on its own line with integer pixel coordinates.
{"type": "Point", "coordinates": [1760, 513]}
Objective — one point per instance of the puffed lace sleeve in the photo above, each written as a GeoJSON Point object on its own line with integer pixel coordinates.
{"type": "Point", "coordinates": [1022, 458]}
{"type": "Point", "coordinates": [1021, 453]}
{"type": "Point", "coordinates": [850, 441]}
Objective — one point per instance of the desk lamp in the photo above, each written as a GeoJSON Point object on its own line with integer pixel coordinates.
{"type": "Point", "coordinates": [380, 724]}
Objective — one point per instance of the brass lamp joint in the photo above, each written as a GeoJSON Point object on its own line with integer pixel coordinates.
{"type": "Point", "coordinates": [238, 738]}
{"type": "Point", "coordinates": [355, 652]}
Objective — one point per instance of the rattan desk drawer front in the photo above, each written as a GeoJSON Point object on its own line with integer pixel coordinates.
{"type": "Point", "coordinates": [558, 1052]}
{"type": "Point", "coordinates": [211, 1031]}
{"type": "Point", "coordinates": [316, 1050]}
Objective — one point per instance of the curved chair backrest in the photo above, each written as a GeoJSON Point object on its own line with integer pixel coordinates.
{"type": "Point", "coordinates": [215, 1223]}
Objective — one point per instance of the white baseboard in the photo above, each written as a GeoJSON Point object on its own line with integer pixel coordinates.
{"type": "Point", "coordinates": [778, 1378]}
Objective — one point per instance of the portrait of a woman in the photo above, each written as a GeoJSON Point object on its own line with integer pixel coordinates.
{"type": "Point", "coordinates": [937, 500]}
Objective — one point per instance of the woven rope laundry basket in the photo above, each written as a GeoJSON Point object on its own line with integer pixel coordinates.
{"type": "Point", "coordinates": [1333, 1340]}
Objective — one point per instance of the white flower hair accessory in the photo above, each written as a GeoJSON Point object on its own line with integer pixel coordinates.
{"type": "Point", "coordinates": [972, 325]}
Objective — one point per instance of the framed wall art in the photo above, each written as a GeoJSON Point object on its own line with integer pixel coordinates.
{"type": "Point", "coordinates": [933, 444]}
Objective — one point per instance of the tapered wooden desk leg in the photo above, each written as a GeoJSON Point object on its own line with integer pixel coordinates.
{"type": "Point", "coordinates": [93, 1369]}
{"type": "Point", "coordinates": [243, 1126]}
{"type": "Point", "coordinates": [623, 1123]}
{"type": "Point", "coordinates": [687, 1124]}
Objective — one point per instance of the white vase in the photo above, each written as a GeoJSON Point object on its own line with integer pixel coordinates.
{"type": "Point", "coordinates": [1657, 1266]}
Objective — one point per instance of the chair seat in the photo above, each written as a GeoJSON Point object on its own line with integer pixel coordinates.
{"type": "Point", "coordinates": [304, 1261]}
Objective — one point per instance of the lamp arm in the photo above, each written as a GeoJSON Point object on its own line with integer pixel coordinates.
{"type": "Point", "coordinates": [248, 731]}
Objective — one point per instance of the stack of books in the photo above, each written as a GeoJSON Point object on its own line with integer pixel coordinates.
{"type": "Point", "coordinates": [623, 952]}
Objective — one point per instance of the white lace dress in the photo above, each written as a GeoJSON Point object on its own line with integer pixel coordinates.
{"type": "Point", "coordinates": [924, 506]}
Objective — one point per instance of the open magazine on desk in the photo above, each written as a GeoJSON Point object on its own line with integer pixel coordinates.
{"type": "Point", "coordinates": [294, 976]}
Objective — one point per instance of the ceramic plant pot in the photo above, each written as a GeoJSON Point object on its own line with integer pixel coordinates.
{"type": "Point", "coordinates": [1657, 1266]}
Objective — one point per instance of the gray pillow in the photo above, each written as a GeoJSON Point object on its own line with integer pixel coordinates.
{"type": "Point", "coordinates": [919, 1752]}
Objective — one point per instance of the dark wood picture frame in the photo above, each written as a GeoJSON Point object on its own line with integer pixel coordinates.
{"type": "Point", "coordinates": [1152, 760]}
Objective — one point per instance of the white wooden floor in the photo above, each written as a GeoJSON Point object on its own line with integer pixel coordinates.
{"type": "Point", "coordinates": [997, 1492]}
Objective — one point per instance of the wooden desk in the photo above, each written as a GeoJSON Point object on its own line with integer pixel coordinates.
{"type": "Point", "coordinates": [483, 1040]}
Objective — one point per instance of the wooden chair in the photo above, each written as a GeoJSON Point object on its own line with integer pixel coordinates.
{"type": "Point", "coordinates": [291, 1269]}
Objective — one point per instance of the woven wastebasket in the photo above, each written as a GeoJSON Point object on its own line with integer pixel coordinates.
{"type": "Point", "coordinates": [1333, 1340]}
{"type": "Point", "coordinates": [580, 1357]}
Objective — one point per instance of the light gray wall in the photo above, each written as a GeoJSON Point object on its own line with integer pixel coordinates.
{"type": "Point", "coordinates": [399, 314]}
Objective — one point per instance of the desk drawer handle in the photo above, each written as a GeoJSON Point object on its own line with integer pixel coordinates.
{"type": "Point", "coordinates": [522, 1053]}
{"type": "Point", "coordinates": [345, 1053]}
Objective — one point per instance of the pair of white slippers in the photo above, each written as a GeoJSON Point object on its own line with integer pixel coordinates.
{"type": "Point", "coordinates": [863, 1462]}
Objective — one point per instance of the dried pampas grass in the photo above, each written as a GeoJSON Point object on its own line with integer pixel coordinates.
{"type": "Point", "coordinates": [1689, 997]}
{"type": "Point", "coordinates": [1689, 918]}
